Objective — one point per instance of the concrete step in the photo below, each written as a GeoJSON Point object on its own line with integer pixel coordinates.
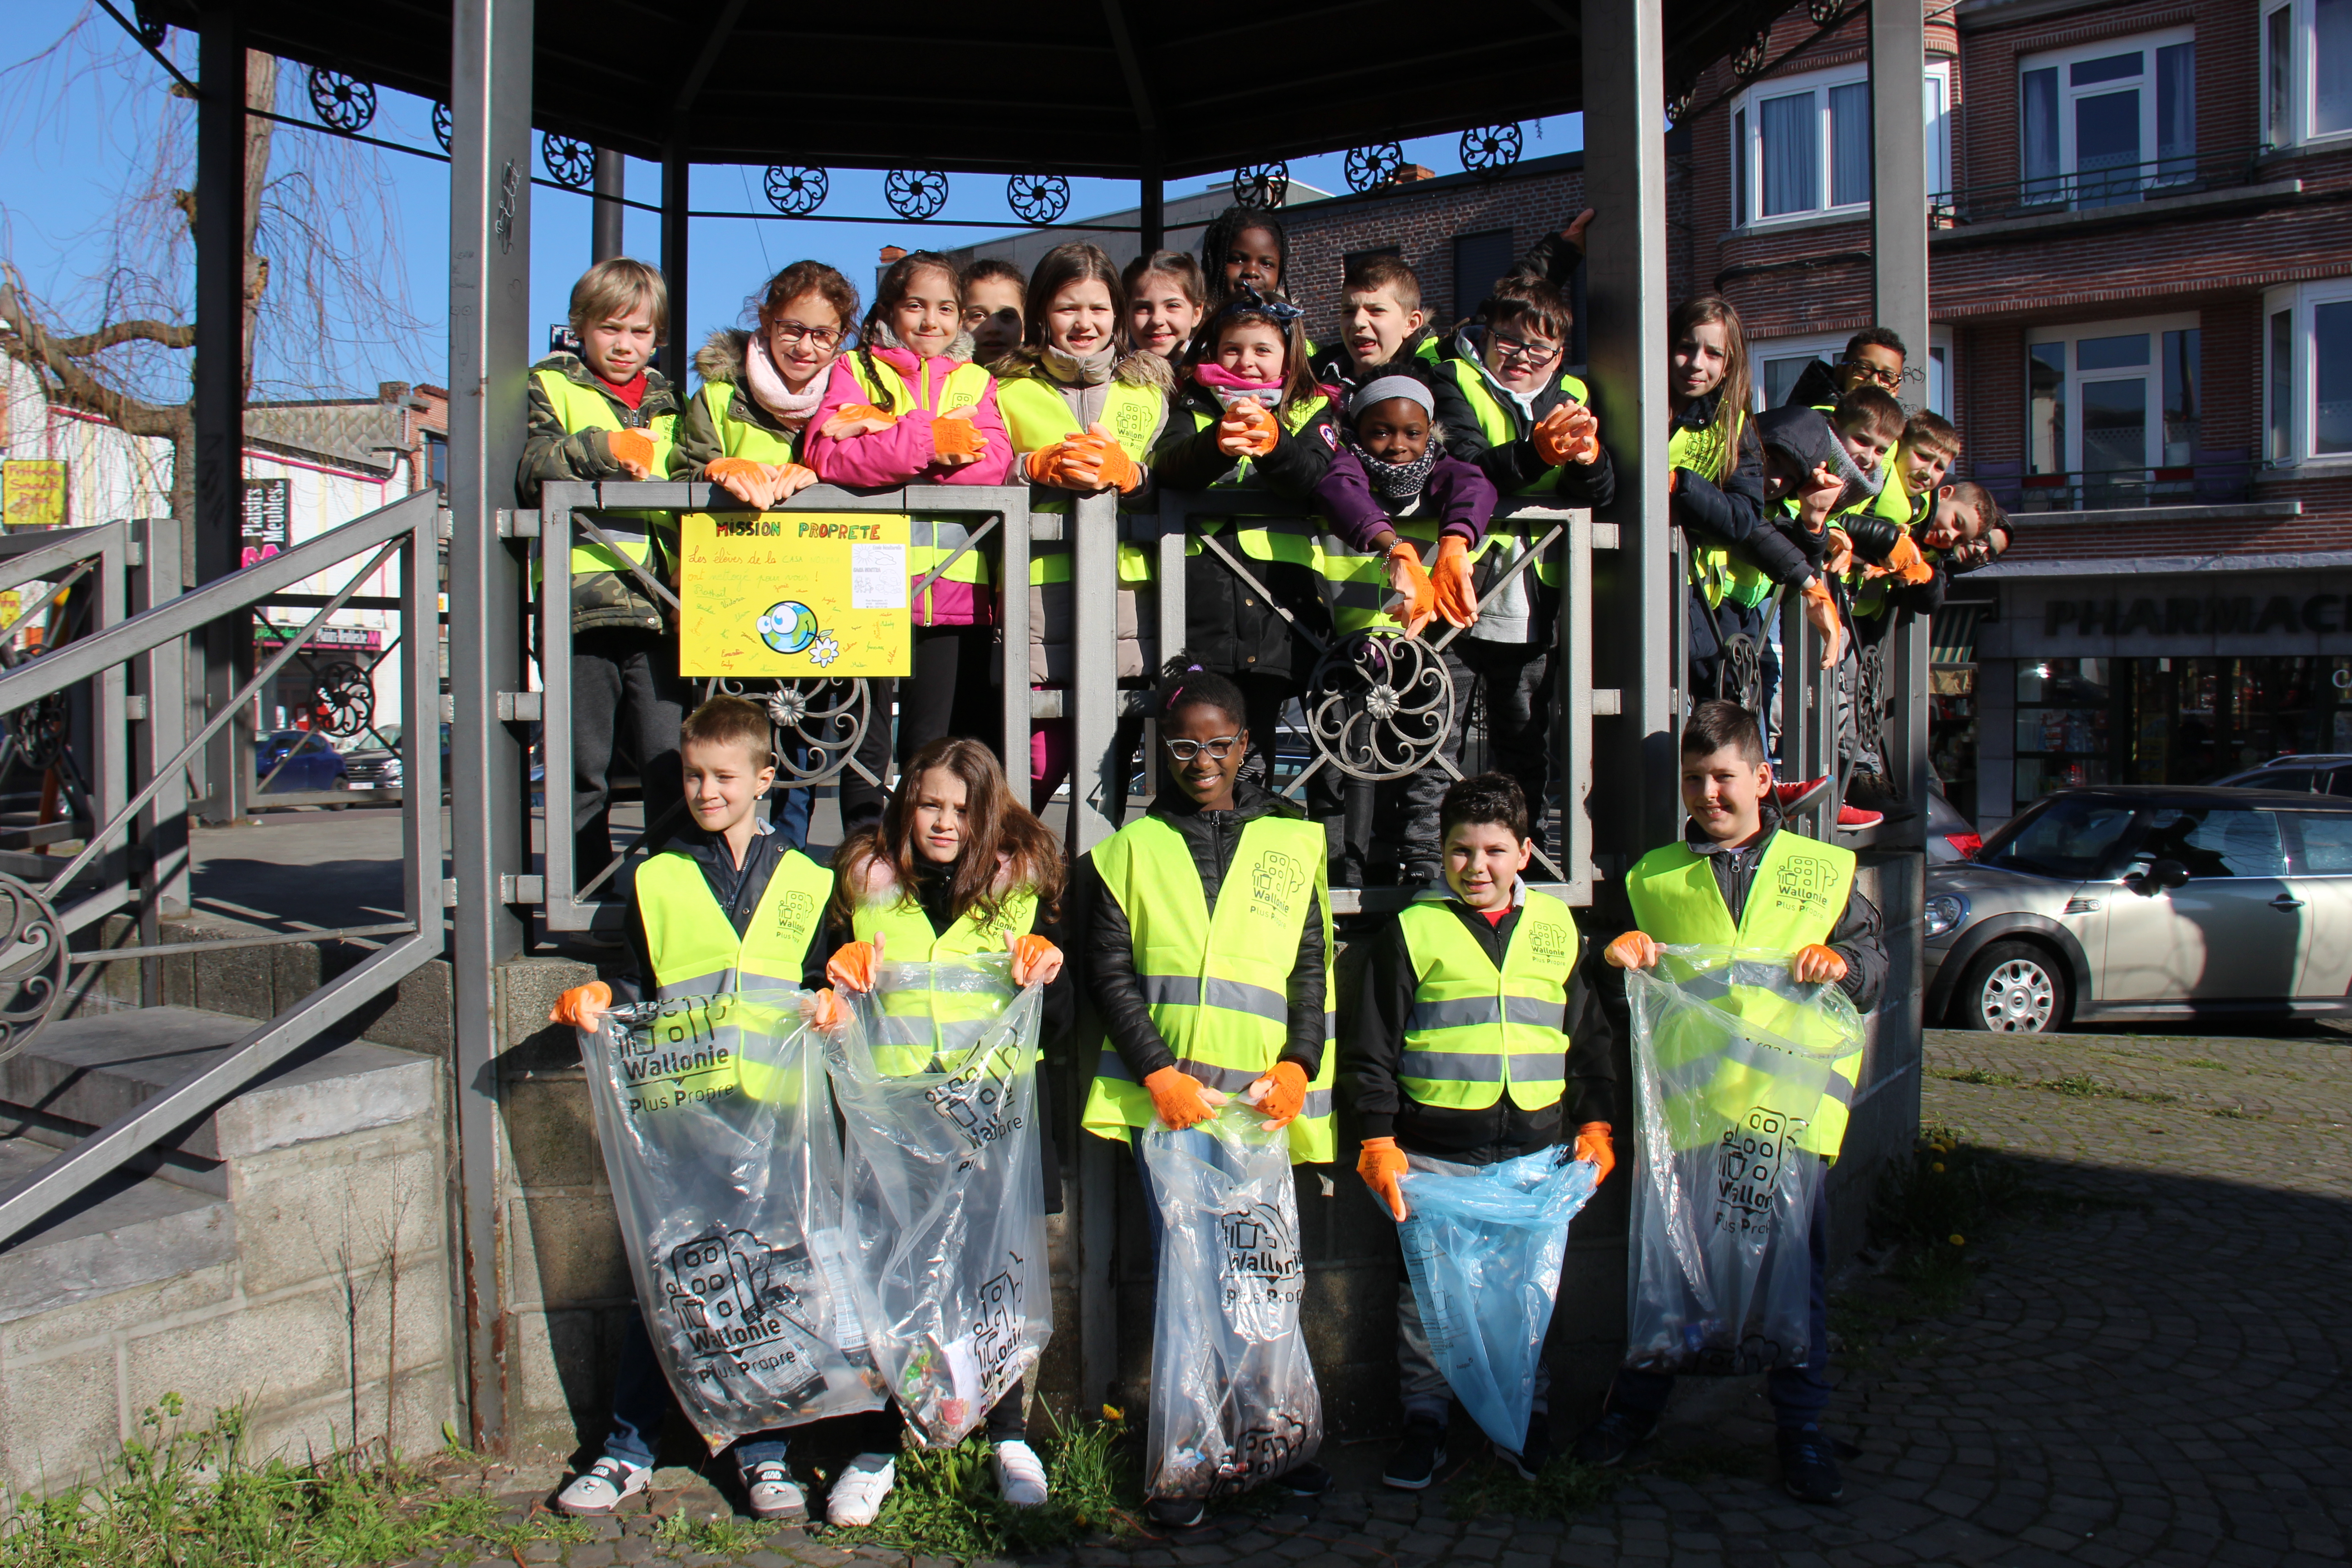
{"type": "Point", "coordinates": [129, 1231]}
{"type": "Point", "coordinates": [80, 1074]}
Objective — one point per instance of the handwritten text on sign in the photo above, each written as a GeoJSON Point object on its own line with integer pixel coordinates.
{"type": "Point", "coordinates": [798, 594]}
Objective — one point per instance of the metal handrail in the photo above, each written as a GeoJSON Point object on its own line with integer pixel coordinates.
{"type": "Point", "coordinates": [2095, 189]}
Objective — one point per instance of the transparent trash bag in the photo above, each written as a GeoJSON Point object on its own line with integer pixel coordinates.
{"type": "Point", "coordinates": [1483, 1246]}
{"type": "Point", "coordinates": [1234, 1400]}
{"type": "Point", "coordinates": [1733, 1057]}
{"type": "Point", "coordinates": [938, 1091]}
{"type": "Point", "coordinates": [718, 1139]}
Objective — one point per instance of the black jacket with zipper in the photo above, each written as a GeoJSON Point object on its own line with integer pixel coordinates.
{"type": "Point", "coordinates": [1512, 464]}
{"type": "Point", "coordinates": [1117, 995]}
{"type": "Point", "coordinates": [737, 891]}
{"type": "Point", "coordinates": [1731, 510]}
{"type": "Point", "coordinates": [1503, 1130]}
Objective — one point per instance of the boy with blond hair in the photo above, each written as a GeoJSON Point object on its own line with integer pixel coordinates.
{"type": "Point", "coordinates": [605, 413]}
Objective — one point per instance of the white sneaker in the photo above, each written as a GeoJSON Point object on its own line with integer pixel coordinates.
{"type": "Point", "coordinates": [772, 1490]}
{"type": "Point", "coordinates": [1019, 1473]}
{"type": "Point", "coordinates": [857, 1493]}
{"type": "Point", "coordinates": [602, 1487]}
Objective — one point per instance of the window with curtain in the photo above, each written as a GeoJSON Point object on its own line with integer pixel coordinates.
{"type": "Point", "coordinates": [2306, 72]}
{"type": "Point", "coordinates": [2278, 424]}
{"type": "Point", "coordinates": [1802, 145]}
{"type": "Point", "coordinates": [1790, 128]}
{"type": "Point", "coordinates": [2109, 122]}
{"type": "Point", "coordinates": [2307, 372]}
{"type": "Point", "coordinates": [2114, 403]}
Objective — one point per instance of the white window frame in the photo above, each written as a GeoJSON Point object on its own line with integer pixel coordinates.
{"type": "Point", "coordinates": [2302, 374]}
{"type": "Point", "coordinates": [1746, 134]}
{"type": "Point", "coordinates": [1830, 346]}
{"type": "Point", "coordinates": [2151, 127]}
{"type": "Point", "coordinates": [2301, 76]}
{"type": "Point", "coordinates": [2154, 328]}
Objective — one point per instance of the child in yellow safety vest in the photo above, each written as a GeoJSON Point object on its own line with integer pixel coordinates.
{"type": "Point", "coordinates": [1738, 878]}
{"type": "Point", "coordinates": [605, 413]}
{"type": "Point", "coordinates": [957, 869]}
{"type": "Point", "coordinates": [727, 906]}
{"type": "Point", "coordinates": [1208, 929]}
{"type": "Point", "coordinates": [1475, 1040]}
{"type": "Point", "coordinates": [908, 406]}
{"type": "Point", "coordinates": [1083, 413]}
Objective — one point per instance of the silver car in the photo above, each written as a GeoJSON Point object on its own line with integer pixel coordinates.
{"type": "Point", "coordinates": [2147, 901]}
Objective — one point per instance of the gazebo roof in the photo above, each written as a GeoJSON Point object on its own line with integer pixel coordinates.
{"type": "Point", "coordinates": [1069, 89]}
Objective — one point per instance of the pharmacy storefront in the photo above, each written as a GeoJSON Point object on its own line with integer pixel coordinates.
{"type": "Point", "coordinates": [2181, 671]}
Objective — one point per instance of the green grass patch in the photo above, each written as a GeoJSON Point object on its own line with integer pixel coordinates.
{"type": "Point", "coordinates": [2236, 1113]}
{"type": "Point", "coordinates": [2082, 1085]}
{"type": "Point", "coordinates": [2208, 1063]}
{"type": "Point", "coordinates": [1563, 1490]}
{"type": "Point", "coordinates": [1977, 1075]}
{"type": "Point", "coordinates": [723, 1537]}
{"type": "Point", "coordinates": [945, 1502]}
{"type": "Point", "coordinates": [190, 1497]}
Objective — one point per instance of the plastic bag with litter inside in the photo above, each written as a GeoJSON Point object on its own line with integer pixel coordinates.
{"type": "Point", "coordinates": [718, 1131]}
{"type": "Point", "coordinates": [1732, 1057]}
{"type": "Point", "coordinates": [1483, 1246]}
{"type": "Point", "coordinates": [945, 1210]}
{"type": "Point", "coordinates": [1233, 1399]}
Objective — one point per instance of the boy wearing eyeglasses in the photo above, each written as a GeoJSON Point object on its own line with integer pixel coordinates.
{"type": "Point", "coordinates": [1874, 357]}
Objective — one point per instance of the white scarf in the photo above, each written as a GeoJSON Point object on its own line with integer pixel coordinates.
{"type": "Point", "coordinates": [792, 409]}
{"type": "Point", "coordinates": [1070, 370]}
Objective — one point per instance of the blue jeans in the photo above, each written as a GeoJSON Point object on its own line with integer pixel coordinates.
{"type": "Point", "coordinates": [1798, 1394]}
{"type": "Point", "coordinates": [641, 1402]}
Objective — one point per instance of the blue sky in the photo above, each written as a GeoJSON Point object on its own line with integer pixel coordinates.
{"type": "Point", "coordinates": [83, 128]}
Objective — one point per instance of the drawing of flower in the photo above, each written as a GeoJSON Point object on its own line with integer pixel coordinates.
{"type": "Point", "coordinates": [824, 651]}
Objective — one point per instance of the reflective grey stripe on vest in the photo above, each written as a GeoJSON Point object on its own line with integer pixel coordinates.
{"type": "Point", "coordinates": [719, 980]}
{"type": "Point", "coordinates": [935, 534]}
{"type": "Point", "coordinates": [1471, 1067]}
{"type": "Point", "coordinates": [1468, 1012]}
{"type": "Point", "coordinates": [1225, 1081]}
{"type": "Point", "coordinates": [1802, 1072]}
{"type": "Point", "coordinates": [1233, 995]}
{"type": "Point", "coordinates": [953, 1034]}
{"type": "Point", "coordinates": [618, 535]}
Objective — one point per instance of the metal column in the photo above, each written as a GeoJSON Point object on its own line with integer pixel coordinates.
{"type": "Point", "coordinates": [160, 862]}
{"type": "Point", "coordinates": [219, 389]}
{"type": "Point", "coordinates": [490, 356]}
{"type": "Point", "coordinates": [676, 174]}
{"type": "Point", "coordinates": [1635, 799]}
{"type": "Point", "coordinates": [605, 235]}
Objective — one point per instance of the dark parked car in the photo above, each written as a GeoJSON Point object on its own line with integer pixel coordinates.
{"type": "Point", "coordinates": [2319, 773]}
{"type": "Point", "coordinates": [2144, 901]}
{"type": "Point", "coordinates": [383, 767]}
{"type": "Point", "coordinates": [311, 763]}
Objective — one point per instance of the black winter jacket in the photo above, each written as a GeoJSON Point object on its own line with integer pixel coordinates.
{"type": "Point", "coordinates": [1212, 836]}
{"type": "Point", "coordinates": [1731, 510]}
{"type": "Point", "coordinates": [739, 891]}
{"type": "Point", "coordinates": [1854, 938]}
{"type": "Point", "coordinates": [1512, 465]}
{"type": "Point", "coordinates": [1368, 1062]}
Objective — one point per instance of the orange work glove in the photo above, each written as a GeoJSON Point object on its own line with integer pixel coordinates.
{"type": "Point", "coordinates": [826, 1010]}
{"type": "Point", "coordinates": [1906, 562]}
{"type": "Point", "coordinates": [864, 414]}
{"type": "Point", "coordinates": [583, 1007]}
{"type": "Point", "coordinates": [1043, 467]}
{"type": "Point", "coordinates": [1415, 600]}
{"type": "Point", "coordinates": [1837, 553]}
{"type": "Point", "coordinates": [852, 963]}
{"type": "Point", "coordinates": [749, 481]}
{"type": "Point", "coordinates": [1820, 609]}
{"type": "Point", "coordinates": [633, 450]}
{"type": "Point", "coordinates": [1035, 961]}
{"type": "Point", "coordinates": [1113, 466]}
{"type": "Point", "coordinates": [953, 435]}
{"type": "Point", "coordinates": [1178, 1098]}
{"type": "Point", "coordinates": [791, 479]}
{"type": "Point", "coordinates": [1381, 1164]}
{"type": "Point", "coordinates": [1457, 601]}
{"type": "Point", "coordinates": [1815, 964]}
{"type": "Point", "coordinates": [1592, 1143]}
{"type": "Point", "coordinates": [1569, 433]}
{"type": "Point", "coordinates": [1247, 430]}
{"type": "Point", "coordinates": [1281, 1094]}
{"type": "Point", "coordinates": [1634, 950]}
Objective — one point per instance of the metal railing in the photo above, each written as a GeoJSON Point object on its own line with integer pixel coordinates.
{"type": "Point", "coordinates": [2090, 189]}
{"type": "Point", "coordinates": [2210, 479]}
{"type": "Point", "coordinates": [135, 669]}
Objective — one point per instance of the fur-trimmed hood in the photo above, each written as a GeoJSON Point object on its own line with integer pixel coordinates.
{"type": "Point", "coordinates": [721, 356]}
{"type": "Point", "coordinates": [1140, 368]}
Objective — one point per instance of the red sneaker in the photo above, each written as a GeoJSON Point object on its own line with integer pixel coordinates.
{"type": "Point", "coordinates": [1800, 795]}
{"type": "Point", "coordinates": [1854, 819]}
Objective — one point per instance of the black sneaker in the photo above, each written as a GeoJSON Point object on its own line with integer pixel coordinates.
{"type": "Point", "coordinates": [1310, 1479]}
{"type": "Point", "coordinates": [1415, 1464]}
{"type": "Point", "coordinates": [1807, 1468]}
{"type": "Point", "coordinates": [1617, 1434]}
{"type": "Point", "coordinates": [1535, 1452]}
{"type": "Point", "coordinates": [1175, 1513]}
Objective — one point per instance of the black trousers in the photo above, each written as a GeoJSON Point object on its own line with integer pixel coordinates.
{"type": "Point", "coordinates": [949, 693]}
{"type": "Point", "coordinates": [627, 696]}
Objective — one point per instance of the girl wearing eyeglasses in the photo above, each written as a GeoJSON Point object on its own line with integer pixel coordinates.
{"type": "Point", "coordinates": [742, 431]}
{"type": "Point", "coordinates": [1208, 929]}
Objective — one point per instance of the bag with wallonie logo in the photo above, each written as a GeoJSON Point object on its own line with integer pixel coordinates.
{"type": "Point", "coordinates": [1233, 1399]}
{"type": "Point", "coordinates": [946, 1215]}
{"type": "Point", "coordinates": [1732, 1057]}
{"type": "Point", "coordinates": [717, 1133]}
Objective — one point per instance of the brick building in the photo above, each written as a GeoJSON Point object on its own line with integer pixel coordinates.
{"type": "Point", "coordinates": [2141, 264]}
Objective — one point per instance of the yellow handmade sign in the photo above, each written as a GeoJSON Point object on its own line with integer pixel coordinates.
{"type": "Point", "coordinates": [794, 594]}
{"type": "Point", "coordinates": [36, 492]}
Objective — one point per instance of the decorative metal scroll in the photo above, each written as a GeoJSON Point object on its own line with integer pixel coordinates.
{"type": "Point", "coordinates": [1370, 168]}
{"type": "Point", "coordinates": [151, 30]}
{"type": "Point", "coordinates": [1037, 198]}
{"type": "Point", "coordinates": [32, 964]}
{"type": "Point", "coordinates": [40, 731]}
{"type": "Point", "coordinates": [571, 160]}
{"type": "Point", "coordinates": [796, 191]}
{"type": "Point", "coordinates": [343, 102]}
{"type": "Point", "coordinates": [1739, 672]}
{"type": "Point", "coordinates": [1750, 57]}
{"type": "Point", "coordinates": [1825, 12]}
{"type": "Point", "coordinates": [1678, 102]}
{"type": "Point", "coordinates": [1489, 147]}
{"type": "Point", "coordinates": [1261, 185]}
{"type": "Point", "coordinates": [445, 126]}
{"type": "Point", "coordinates": [344, 699]}
{"type": "Point", "coordinates": [1380, 706]}
{"type": "Point", "coordinates": [1874, 709]}
{"type": "Point", "coordinates": [817, 723]}
{"type": "Point", "coordinates": [915, 193]}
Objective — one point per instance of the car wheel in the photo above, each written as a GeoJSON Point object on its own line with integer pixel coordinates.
{"type": "Point", "coordinates": [2013, 988]}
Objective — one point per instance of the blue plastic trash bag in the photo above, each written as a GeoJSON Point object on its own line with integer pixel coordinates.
{"type": "Point", "coordinates": [947, 1212]}
{"type": "Point", "coordinates": [1234, 1400]}
{"type": "Point", "coordinates": [1483, 1245]}
{"type": "Point", "coordinates": [1732, 1057]}
{"type": "Point", "coordinates": [718, 1139]}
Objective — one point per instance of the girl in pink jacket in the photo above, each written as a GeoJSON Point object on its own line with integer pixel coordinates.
{"type": "Point", "coordinates": [908, 407]}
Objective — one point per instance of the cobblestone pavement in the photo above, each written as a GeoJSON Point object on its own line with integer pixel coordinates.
{"type": "Point", "coordinates": [2155, 1377]}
